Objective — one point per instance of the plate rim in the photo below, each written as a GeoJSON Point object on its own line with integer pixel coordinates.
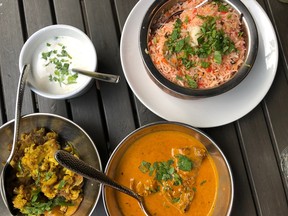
{"type": "Point", "coordinates": [142, 6]}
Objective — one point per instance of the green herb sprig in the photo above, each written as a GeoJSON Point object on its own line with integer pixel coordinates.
{"type": "Point", "coordinates": [61, 60]}
{"type": "Point", "coordinates": [38, 205]}
{"type": "Point", "coordinates": [213, 41]}
{"type": "Point", "coordinates": [165, 170]}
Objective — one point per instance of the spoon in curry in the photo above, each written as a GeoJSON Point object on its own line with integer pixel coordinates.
{"type": "Point", "coordinates": [80, 167]}
{"type": "Point", "coordinates": [8, 169]}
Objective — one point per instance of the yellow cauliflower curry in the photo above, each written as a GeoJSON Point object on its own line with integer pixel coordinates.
{"type": "Point", "coordinates": [43, 187]}
{"type": "Point", "coordinates": [174, 173]}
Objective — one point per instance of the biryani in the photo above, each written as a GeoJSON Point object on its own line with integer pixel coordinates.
{"type": "Point", "coordinates": [201, 47]}
{"type": "Point", "coordinates": [43, 187]}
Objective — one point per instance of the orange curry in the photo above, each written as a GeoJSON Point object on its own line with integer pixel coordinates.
{"type": "Point", "coordinates": [173, 171]}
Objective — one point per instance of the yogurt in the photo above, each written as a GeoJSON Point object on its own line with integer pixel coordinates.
{"type": "Point", "coordinates": [44, 76]}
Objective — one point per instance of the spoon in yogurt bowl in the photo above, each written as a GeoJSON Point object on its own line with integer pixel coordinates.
{"type": "Point", "coordinates": [98, 76]}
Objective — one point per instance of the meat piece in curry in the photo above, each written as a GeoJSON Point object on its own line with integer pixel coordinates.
{"type": "Point", "coordinates": [43, 186]}
{"type": "Point", "coordinates": [174, 178]}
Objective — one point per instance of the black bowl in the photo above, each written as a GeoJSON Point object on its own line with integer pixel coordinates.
{"type": "Point", "coordinates": [150, 24]}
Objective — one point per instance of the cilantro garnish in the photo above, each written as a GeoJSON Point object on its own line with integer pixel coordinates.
{"type": "Point", "coordinates": [144, 166]}
{"type": "Point", "coordinates": [184, 163]}
{"type": "Point", "coordinates": [166, 170]}
{"type": "Point", "coordinates": [61, 60]}
{"type": "Point", "coordinates": [61, 184]}
{"type": "Point", "coordinates": [37, 206]}
{"type": "Point", "coordinates": [212, 41]}
{"type": "Point", "coordinates": [191, 82]}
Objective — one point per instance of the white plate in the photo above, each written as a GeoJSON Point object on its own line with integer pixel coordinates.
{"type": "Point", "coordinates": [204, 112]}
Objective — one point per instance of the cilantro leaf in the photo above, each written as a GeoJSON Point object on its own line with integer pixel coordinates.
{"type": "Point", "coordinates": [184, 163]}
{"type": "Point", "coordinates": [218, 57]}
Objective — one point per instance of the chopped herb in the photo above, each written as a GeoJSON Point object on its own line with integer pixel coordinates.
{"type": "Point", "coordinates": [177, 179]}
{"type": "Point", "coordinates": [48, 175]}
{"type": "Point", "coordinates": [175, 200]}
{"type": "Point", "coordinates": [213, 40]}
{"type": "Point", "coordinates": [61, 61]}
{"type": "Point", "coordinates": [218, 57]}
{"type": "Point", "coordinates": [184, 163]}
{"type": "Point", "coordinates": [38, 177]}
{"type": "Point", "coordinates": [191, 82]}
{"type": "Point", "coordinates": [37, 206]}
{"type": "Point", "coordinates": [144, 166]}
{"type": "Point", "coordinates": [223, 8]}
{"type": "Point", "coordinates": [19, 166]}
{"type": "Point", "coordinates": [187, 63]}
{"type": "Point", "coordinates": [186, 20]}
{"type": "Point", "coordinates": [61, 184]}
{"type": "Point", "coordinates": [179, 77]}
{"type": "Point", "coordinates": [162, 170]}
{"type": "Point", "coordinates": [203, 182]}
{"type": "Point", "coordinates": [205, 64]}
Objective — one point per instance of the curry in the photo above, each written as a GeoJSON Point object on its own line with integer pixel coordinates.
{"type": "Point", "coordinates": [42, 186]}
{"type": "Point", "coordinates": [174, 173]}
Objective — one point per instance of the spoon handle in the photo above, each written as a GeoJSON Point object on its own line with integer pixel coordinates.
{"type": "Point", "coordinates": [80, 167]}
{"type": "Point", "coordinates": [18, 108]}
{"type": "Point", "coordinates": [99, 76]}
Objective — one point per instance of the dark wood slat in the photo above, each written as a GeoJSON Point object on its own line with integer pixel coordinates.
{"type": "Point", "coordinates": [144, 115]}
{"type": "Point", "coordinates": [41, 10]}
{"type": "Point", "coordinates": [70, 13]}
{"type": "Point", "coordinates": [123, 9]}
{"type": "Point", "coordinates": [11, 41]}
{"type": "Point", "coordinates": [279, 16]}
{"type": "Point", "coordinates": [86, 110]}
{"type": "Point", "coordinates": [275, 102]}
{"type": "Point", "coordinates": [261, 163]}
{"type": "Point", "coordinates": [227, 139]}
{"type": "Point", "coordinates": [115, 97]}
{"type": "Point", "coordinates": [276, 107]}
{"type": "Point", "coordinates": [2, 104]}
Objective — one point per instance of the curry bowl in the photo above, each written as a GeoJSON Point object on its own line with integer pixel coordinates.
{"type": "Point", "coordinates": [53, 52]}
{"type": "Point", "coordinates": [175, 167]}
{"type": "Point", "coordinates": [75, 140]}
{"type": "Point", "coordinates": [191, 51]}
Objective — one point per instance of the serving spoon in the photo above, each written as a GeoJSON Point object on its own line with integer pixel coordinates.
{"type": "Point", "coordinates": [80, 167]}
{"type": "Point", "coordinates": [8, 169]}
{"type": "Point", "coordinates": [99, 76]}
{"type": "Point", "coordinates": [177, 13]}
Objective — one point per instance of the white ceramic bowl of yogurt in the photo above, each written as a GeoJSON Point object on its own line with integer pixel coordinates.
{"type": "Point", "coordinates": [52, 52]}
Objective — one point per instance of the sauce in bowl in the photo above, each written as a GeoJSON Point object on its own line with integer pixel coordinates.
{"type": "Point", "coordinates": [172, 170]}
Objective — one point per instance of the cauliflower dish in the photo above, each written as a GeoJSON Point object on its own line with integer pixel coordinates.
{"type": "Point", "coordinates": [42, 186]}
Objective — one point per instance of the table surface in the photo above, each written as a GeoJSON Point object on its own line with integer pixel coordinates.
{"type": "Point", "coordinates": [109, 112]}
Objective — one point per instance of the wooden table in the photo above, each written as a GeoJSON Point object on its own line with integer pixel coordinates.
{"type": "Point", "coordinates": [108, 112]}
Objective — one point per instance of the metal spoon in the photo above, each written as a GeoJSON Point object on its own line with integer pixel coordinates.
{"type": "Point", "coordinates": [99, 76]}
{"type": "Point", "coordinates": [80, 167]}
{"type": "Point", "coordinates": [6, 172]}
{"type": "Point", "coordinates": [177, 13]}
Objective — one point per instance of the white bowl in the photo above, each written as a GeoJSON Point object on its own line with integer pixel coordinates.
{"type": "Point", "coordinates": [78, 46]}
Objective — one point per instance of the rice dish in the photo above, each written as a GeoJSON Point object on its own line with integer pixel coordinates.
{"type": "Point", "coordinates": [200, 48]}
